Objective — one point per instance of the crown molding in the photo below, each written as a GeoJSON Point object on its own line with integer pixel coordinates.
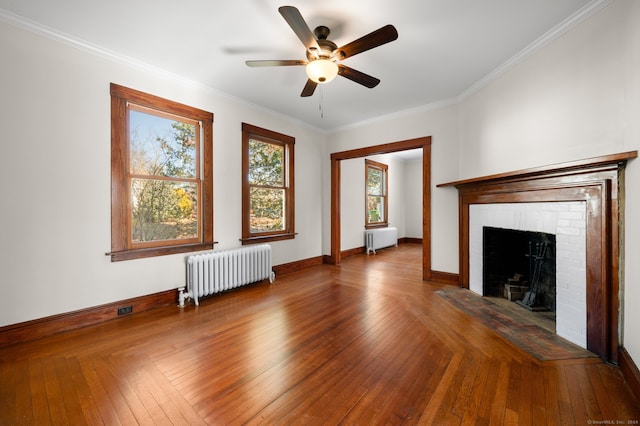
{"type": "Point", "coordinates": [578, 17]}
{"type": "Point", "coordinates": [562, 28]}
{"type": "Point", "coordinates": [96, 50]}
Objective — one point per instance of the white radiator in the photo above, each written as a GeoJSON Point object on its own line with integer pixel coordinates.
{"type": "Point", "coordinates": [379, 238]}
{"type": "Point", "coordinates": [217, 271]}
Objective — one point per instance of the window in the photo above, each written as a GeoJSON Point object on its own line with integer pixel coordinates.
{"type": "Point", "coordinates": [161, 176]}
{"type": "Point", "coordinates": [267, 185]}
{"type": "Point", "coordinates": [376, 194]}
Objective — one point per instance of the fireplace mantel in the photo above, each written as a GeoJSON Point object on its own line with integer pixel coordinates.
{"type": "Point", "coordinates": [596, 181]}
{"type": "Point", "coordinates": [567, 169]}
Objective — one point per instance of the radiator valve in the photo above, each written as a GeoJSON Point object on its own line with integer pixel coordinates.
{"type": "Point", "coordinates": [182, 296]}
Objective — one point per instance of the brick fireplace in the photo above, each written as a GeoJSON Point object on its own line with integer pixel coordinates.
{"type": "Point", "coordinates": [592, 188]}
{"type": "Point", "coordinates": [567, 222]}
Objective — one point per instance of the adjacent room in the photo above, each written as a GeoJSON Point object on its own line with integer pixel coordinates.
{"type": "Point", "coordinates": [330, 212]}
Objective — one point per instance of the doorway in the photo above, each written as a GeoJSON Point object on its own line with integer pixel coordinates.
{"type": "Point", "coordinates": [337, 157]}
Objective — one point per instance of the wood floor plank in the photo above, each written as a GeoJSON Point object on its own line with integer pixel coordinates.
{"type": "Point", "coordinates": [80, 387]}
{"type": "Point", "coordinates": [532, 400]}
{"type": "Point", "coordinates": [588, 393]}
{"type": "Point", "coordinates": [338, 346]}
{"type": "Point", "coordinates": [450, 410]}
{"type": "Point", "coordinates": [566, 410]}
{"type": "Point", "coordinates": [499, 406]}
{"type": "Point", "coordinates": [175, 408]}
{"type": "Point", "coordinates": [552, 407]}
{"type": "Point", "coordinates": [476, 399]}
{"type": "Point", "coordinates": [65, 372]}
{"type": "Point", "coordinates": [516, 388]}
{"type": "Point", "coordinates": [365, 342]}
{"type": "Point", "coordinates": [488, 395]}
{"type": "Point", "coordinates": [105, 408]}
{"type": "Point", "coordinates": [621, 402]}
{"type": "Point", "coordinates": [387, 395]}
{"type": "Point", "coordinates": [578, 404]}
{"type": "Point", "coordinates": [15, 377]}
{"type": "Point", "coordinates": [38, 393]}
{"type": "Point", "coordinates": [431, 415]}
{"type": "Point", "coordinates": [110, 384]}
{"type": "Point", "coordinates": [55, 396]}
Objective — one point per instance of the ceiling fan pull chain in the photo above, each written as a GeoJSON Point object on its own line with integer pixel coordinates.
{"type": "Point", "coordinates": [321, 102]}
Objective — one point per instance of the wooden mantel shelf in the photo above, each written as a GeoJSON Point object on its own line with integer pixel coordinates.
{"type": "Point", "coordinates": [552, 169]}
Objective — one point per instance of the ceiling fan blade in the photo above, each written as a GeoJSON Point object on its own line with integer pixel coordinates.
{"type": "Point", "coordinates": [275, 63]}
{"type": "Point", "coordinates": [357, 76]}
{"type": "Point", "coordinates": [376, 38]}
{"type": "Point", "coordinates": [309, 88]}
{"type": "Point", "coordinates": [299, 26]}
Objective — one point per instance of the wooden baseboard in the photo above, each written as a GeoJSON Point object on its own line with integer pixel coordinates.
{"type": "Point", "coordinates": [409, 240]}
{"type": "Point", "coordinates": [445, 278]}
{"type": "Point", "coordinates": [328, 260]}
{"type": "Point", "coordinates": [35, 329]}
{"type": "Point", "coordinates": [629, 371]}
{"type": "Point", "coordinates": [353, 251]}
{"type": "Point", "coordinates": [286, 268]}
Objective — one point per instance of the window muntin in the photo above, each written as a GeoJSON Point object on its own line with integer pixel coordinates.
{"type": "Point", "coordinates": [162, 177]}
{"type": "Point", "coordinates": [267, 185]}
{"type": "Point", "coordinates": [376, 194]}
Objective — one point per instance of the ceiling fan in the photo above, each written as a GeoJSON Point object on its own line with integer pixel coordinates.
{"type": "Point", "coordinates": [323, 54]}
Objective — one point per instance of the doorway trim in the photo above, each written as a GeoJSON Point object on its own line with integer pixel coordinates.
{"type": "Point", "coordinates": [337, 157]}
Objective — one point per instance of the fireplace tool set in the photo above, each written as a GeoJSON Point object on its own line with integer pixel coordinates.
{"type": "Point", "coordinates": [536, 259]}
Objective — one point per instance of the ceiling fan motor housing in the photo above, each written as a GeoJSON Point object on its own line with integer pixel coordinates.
{"type": "Point", "coordinates": [327, 48]}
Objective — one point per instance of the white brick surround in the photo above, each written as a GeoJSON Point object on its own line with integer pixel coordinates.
{"type": "Point", "coordinates": [567, 221]}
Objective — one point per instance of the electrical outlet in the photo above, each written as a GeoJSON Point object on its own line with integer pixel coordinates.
{"type": "Point", "coordinates": [125, 310]}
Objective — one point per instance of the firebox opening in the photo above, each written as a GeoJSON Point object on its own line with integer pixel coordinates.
{"type": "Point", "coordinates": [520, 266]}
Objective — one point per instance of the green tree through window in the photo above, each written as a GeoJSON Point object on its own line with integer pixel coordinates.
{"type": "Point", "coordinates": [267, 185]}
{"type": "Point", "coordinates": [164, 183]}
{"type": "Point", "coordinates": [376, 194]}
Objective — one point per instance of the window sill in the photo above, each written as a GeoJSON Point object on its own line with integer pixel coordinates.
{"type": "Point", "coordinates": [267, 238]}
{"type": "Point", "coordinates": [376, 225]}
{"type": "Point", "coordinates": [118, 256]}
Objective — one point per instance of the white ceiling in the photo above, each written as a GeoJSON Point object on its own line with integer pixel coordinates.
{"type": "Point", "coordinates": [445, 48]}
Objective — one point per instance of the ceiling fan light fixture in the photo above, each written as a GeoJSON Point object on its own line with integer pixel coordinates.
{"type": "Point", "coordinates": [322, 70]}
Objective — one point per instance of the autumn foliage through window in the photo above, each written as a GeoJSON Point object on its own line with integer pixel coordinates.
{"type": "Point", "coordinates": [164, 176]}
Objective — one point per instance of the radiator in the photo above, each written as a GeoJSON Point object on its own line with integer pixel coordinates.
{"type": "Point", "coordinates": [217, 271]}
{"type": "Point", "coordinates": [378, 238]}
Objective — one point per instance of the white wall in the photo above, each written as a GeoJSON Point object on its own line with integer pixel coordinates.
{"type": "Point", "coordinates": [352, 202]}
{"type": "Point", "coordinates": [413, 198]}
{"type": "Point", "coordinates": [55, 178]}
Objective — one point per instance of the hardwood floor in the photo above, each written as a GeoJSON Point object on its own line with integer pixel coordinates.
{"type": "Point", "coordinates": [366, 342]}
